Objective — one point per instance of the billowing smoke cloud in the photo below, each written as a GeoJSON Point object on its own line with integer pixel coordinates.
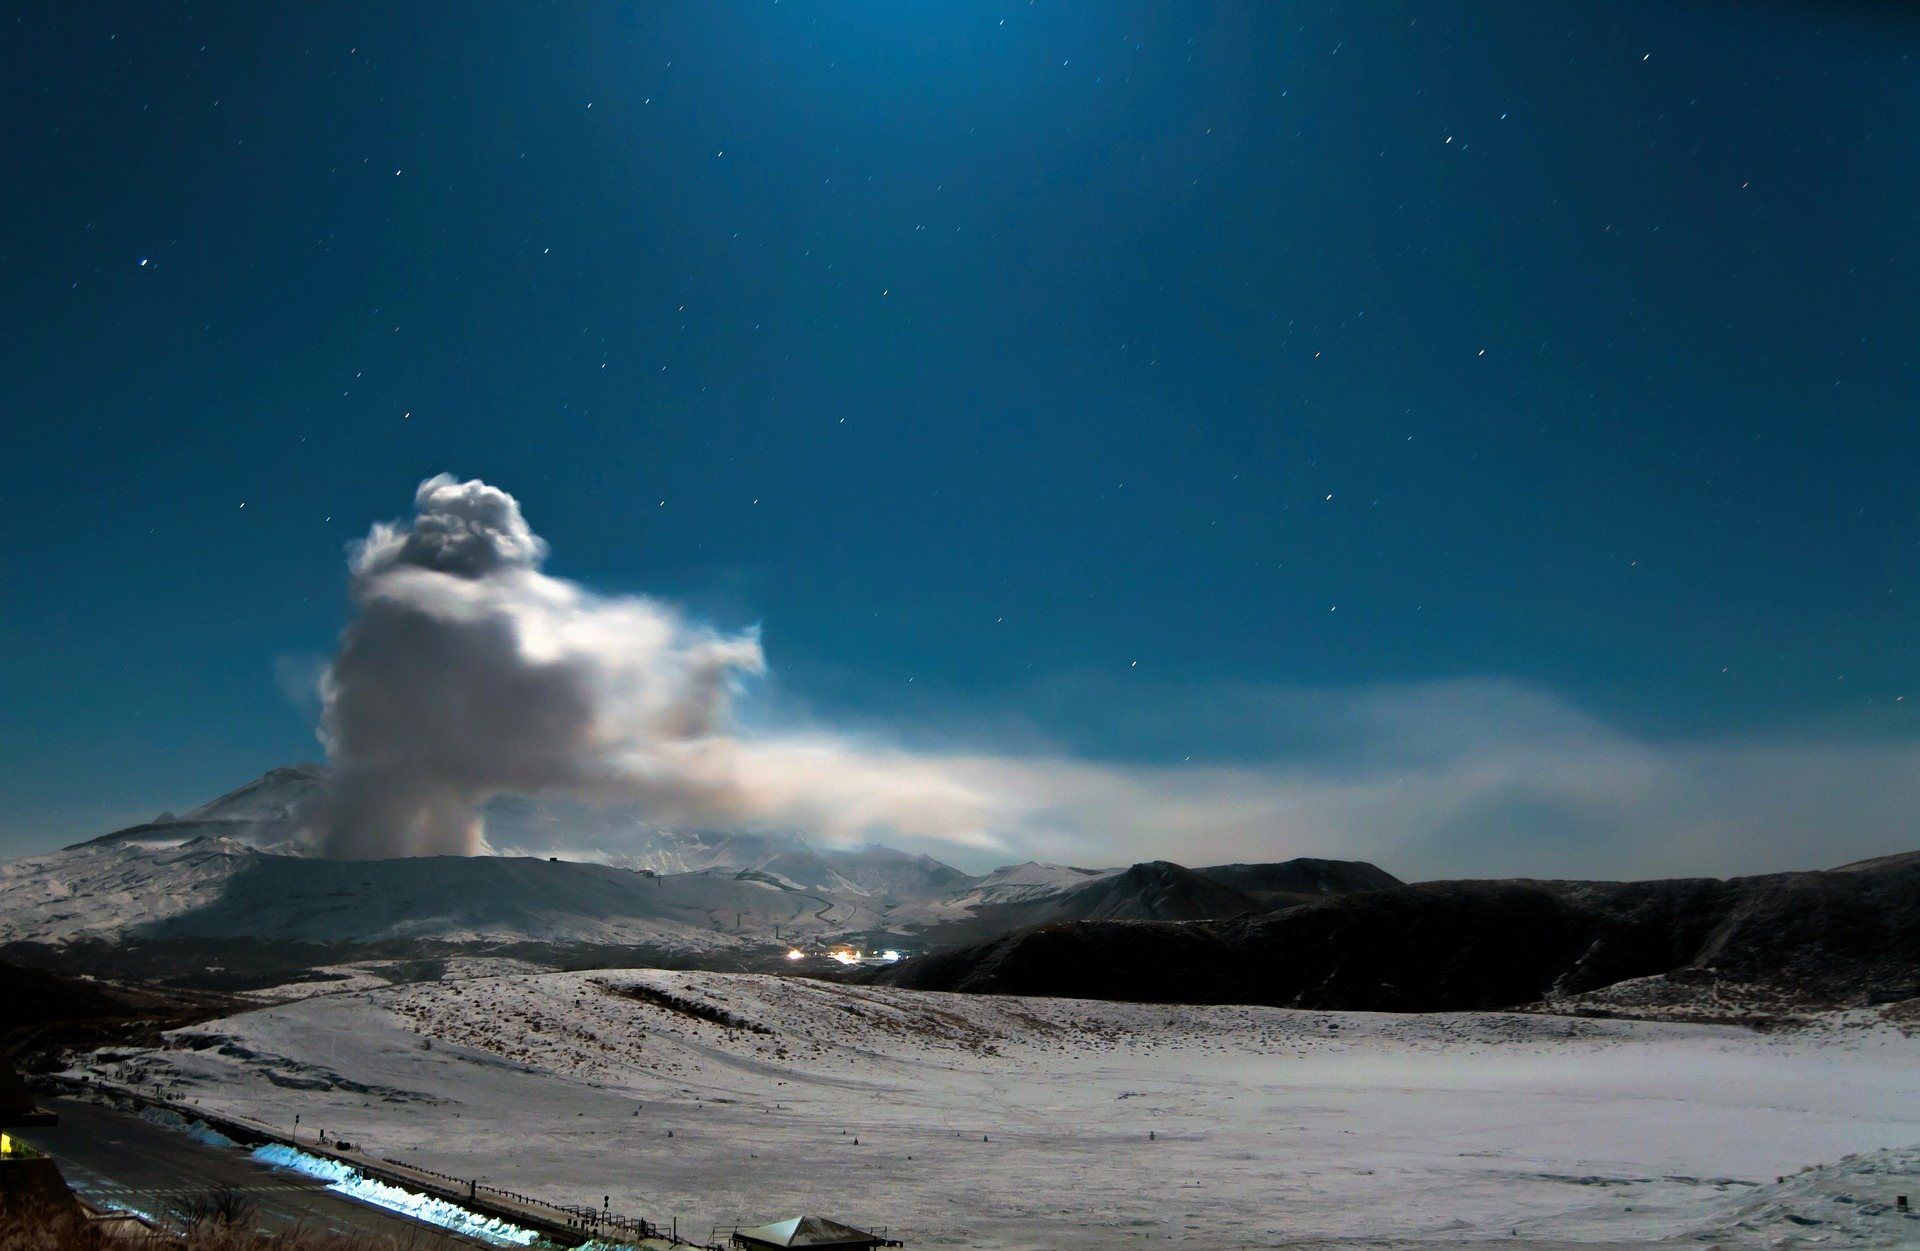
{"type": "Point", "coordinates": [468, 672]}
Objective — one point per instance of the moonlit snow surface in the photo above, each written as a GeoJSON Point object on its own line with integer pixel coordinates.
{"type": "Point", "coordinates": [199, 1131]}
{"type": "Point", "coordinates": [1001, 1122]}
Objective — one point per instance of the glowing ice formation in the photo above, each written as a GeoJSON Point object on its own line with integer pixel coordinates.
{"type": "Point", "coordinates": [350, 1182]}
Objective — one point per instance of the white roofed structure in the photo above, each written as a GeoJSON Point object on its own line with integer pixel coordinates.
{"type": "Point", "coordinates": [808, 1231]}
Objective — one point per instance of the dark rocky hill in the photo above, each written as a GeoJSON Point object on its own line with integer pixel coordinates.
{"type": "Point", "coordinates": [1840, 937]}
{"type": "Point", "coordinates": [48, 1011]}
{"type": "Point", "coordinates": [1302, 880]}
{"type": "Point", "coordinates": [1157, 890]}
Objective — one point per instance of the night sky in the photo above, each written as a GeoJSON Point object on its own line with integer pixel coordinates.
{"type": "Point", "coordinates": [1145, 383]}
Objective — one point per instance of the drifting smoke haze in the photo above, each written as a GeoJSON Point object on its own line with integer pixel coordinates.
{"type": "Point", "coordinates": [467, 672]}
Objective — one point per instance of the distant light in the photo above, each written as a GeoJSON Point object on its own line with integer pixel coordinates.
{"type": "Point", "coordinates": [143, 262]}
{"type": "Point", "coordinates": [889, 956]}
{"type": "Point", "coordinates": [796, 954]}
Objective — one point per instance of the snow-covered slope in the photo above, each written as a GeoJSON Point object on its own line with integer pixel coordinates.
{"type": "Point", "coordinates": [269, 812]}
{"type": "Point", "coordinates": [1023, 883]}
{"type": "Point", "coordinates": [625, 836]}
{"type": "Point", "coordinates": [158, 889]}
{"type": "Point", "coordinates": [1032, 883]}
{"type": "Point", "coordinates": [217, 888]}
{"type": "Point", "coordinates": [494, 899]}
{"type": "Point", "coordinates": [272, 813]}
{"type": "Point", "coordinates": [242, 867]}
{"type": "Point", "coordinates": [993, 1122]}
{"type": "Point", "coordinates": [113, 887]}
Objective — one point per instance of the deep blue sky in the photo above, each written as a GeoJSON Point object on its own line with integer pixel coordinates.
{"type": "Point", "coordinates": [981, 345]}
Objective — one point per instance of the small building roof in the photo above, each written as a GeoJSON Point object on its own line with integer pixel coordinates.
{"type": "Point", "coordinates": [808, 1231]}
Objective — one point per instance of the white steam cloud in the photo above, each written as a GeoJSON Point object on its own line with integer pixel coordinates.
{"type": "Point", "coordinates": [467, 672]}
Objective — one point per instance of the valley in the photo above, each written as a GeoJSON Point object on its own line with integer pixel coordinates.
{"type": "Point", "coordinates": [1002, 1122]}
{"type": "Point", "coordinates": [1302, 1053]}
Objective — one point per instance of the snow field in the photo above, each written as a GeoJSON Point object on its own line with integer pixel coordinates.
{"type": "Point", "coordinates": [1000, 1122]}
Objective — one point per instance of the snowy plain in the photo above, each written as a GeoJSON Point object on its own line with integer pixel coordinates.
{"type": "Point", "coordinates": [999, 1122]}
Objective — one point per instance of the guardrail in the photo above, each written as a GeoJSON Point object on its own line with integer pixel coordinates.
{"type": "Point", "coordinates": [560, 1219]}
{"type": "Point", "coordinates": [601, 1224]}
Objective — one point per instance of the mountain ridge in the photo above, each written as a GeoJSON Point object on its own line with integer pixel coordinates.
{"type": "Point", "coordinates": [232, 884]}
{"type": "Point", "coordinates": [1846, 936]}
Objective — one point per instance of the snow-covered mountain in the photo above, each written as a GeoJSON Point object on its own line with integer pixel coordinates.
{"type": "Point", "coordinates": [1011, 884]}
{"type": "Point", "coordinates": [268, 813]}
{"type": "Point", "coordinates": [238, 870]}
{"type": "Point", "coordinates": [272, 812]}
{"type": "Point", "coordinates": [1024, 883]}
{"type": "Point", "coordinates": [114, 887]}
{"type": "Point", "coordinates": [1024, 895]}
{"type": "Point", "coordinates": [215, 888]}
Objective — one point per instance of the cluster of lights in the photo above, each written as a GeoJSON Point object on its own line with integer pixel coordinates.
{"type": "Point", "coordinates": [846, 955]}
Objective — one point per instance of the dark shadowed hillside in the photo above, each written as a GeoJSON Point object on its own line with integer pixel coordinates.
{"type": "Point", "coordinates": [47, 1011]}
{"type": "Point", "coordinates": [1158, 890]}
{"type": "Point", "coordinates": [1832, 938]}
{"type": "Point", "coordinates": [1302, 880]}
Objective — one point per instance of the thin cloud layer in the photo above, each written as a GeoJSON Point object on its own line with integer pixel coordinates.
{"type": "Point", "coordinates": [1479, 778]}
